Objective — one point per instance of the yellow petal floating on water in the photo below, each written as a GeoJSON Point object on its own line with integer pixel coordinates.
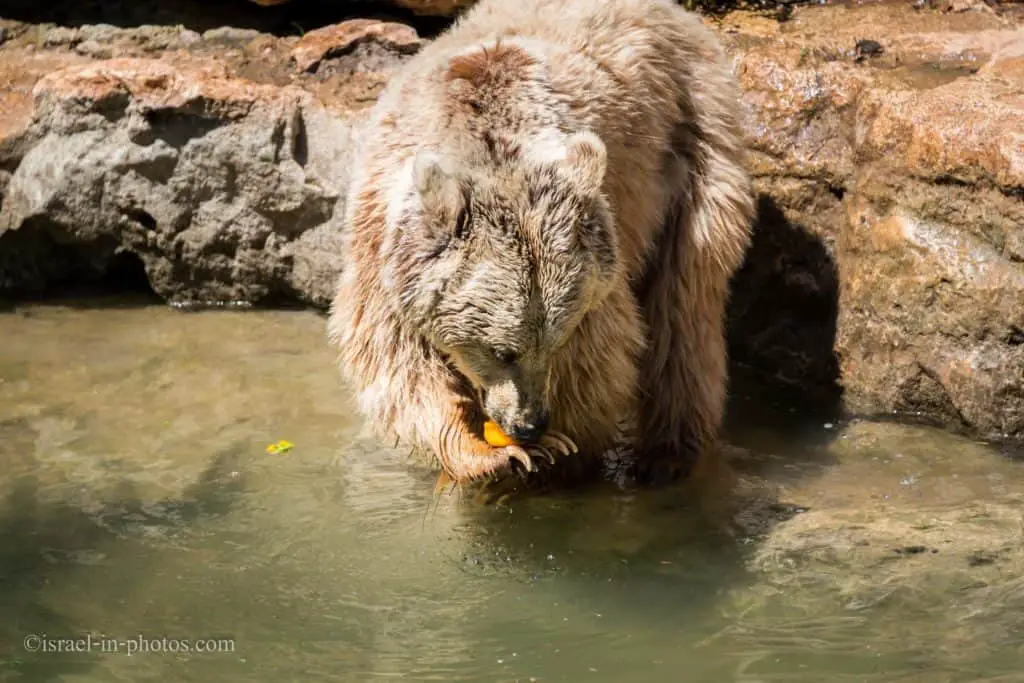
{"type": "Point", "coordinates": [280, 447]}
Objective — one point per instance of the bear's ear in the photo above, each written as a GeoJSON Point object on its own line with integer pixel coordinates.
{"type": "Point", "coordinates": [437, 185]}
{"type": "Point", "coordinates": [587, 159]}
{"type": "Point", "coordinates": [441, 198]}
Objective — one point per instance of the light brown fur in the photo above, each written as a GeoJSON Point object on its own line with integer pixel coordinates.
{"type": "Point", "coordinates": [514, 86]}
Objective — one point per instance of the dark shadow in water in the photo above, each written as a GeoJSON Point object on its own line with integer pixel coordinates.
{"type": "Point", "coordinates": [671, 556]}
{"type": "Point", "coordinates": [651, 556]}
{"type": "Point", "coordinates": [43, 543]}
{"type": "Point", "coordinates": [292, 18]}
{"type": "Point", "coordinates": [30, 535]}
{"type": "Point", "coordinates": [759, 416]}
{"type": "Point", "coordinates": [1014, 452]}
{"type": "Point", "coordinates": [676, 548]}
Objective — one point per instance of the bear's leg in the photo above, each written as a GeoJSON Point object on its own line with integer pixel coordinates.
{"type": "Point", "coordinates": [684, 295]}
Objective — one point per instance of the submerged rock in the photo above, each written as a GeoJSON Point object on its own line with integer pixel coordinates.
{"type": "Point", "coordinates": [900, 519]}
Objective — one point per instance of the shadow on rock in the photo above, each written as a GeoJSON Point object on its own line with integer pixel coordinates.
{"type": "Point", "coordinates": [783, 313]}
{"type": "Point", "coordinates": [34, 269]}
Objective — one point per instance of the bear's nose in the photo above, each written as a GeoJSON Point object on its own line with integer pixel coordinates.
{"type": "Point", "coordinates": [530, 431]}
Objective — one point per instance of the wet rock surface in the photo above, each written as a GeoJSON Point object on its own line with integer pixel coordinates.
{"type": "Point", "coordinates": [887, 143]}
{"type": "Point", "coordinates": [887, 256]}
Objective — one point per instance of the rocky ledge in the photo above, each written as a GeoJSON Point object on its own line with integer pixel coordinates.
{"type": "Point", "coordinates": [887, 142]}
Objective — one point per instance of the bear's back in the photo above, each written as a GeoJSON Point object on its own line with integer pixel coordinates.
{"type": "Point", "coordinates": [620, 68]}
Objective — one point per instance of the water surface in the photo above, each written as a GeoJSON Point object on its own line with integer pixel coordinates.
{"type": "Point", "coordinates": [137, 499]}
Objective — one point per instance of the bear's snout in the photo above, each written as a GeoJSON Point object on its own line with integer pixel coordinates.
{"type": "Point", "coordinates": [521, 412]}
{"type": "Point", "coordinates": [529, 430]}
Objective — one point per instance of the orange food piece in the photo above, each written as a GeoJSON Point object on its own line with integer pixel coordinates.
{"type": "Point", "coordinates": [494, 435]}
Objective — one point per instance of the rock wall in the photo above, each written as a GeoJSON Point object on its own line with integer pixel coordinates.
{"type": "Point", "coordinates": [892, 177]}
{"type": "Point", "coordinates": [218, 160]}
{"type": "Point", "coordinates": [887, 142]}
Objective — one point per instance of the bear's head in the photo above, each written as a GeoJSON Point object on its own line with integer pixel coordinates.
{"type": "Point", "coordinates": [497, 264]}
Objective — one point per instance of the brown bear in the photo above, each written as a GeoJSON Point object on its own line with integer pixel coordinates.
{"type": "Point", "coordinates": [547, 206]}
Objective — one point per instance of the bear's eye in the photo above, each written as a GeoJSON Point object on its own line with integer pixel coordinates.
{"type": "Point", "coordinates": [505, 356]}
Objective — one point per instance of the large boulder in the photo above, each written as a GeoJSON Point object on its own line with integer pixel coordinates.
{"type": "Point", "coordinates": [225, 188]}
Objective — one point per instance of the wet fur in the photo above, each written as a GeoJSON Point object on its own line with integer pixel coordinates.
{"type": "Point", "coordinates": [503, 90]}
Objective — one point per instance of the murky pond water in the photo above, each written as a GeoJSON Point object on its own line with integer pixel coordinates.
{"type": "Point", "coordinates": [137, 500]}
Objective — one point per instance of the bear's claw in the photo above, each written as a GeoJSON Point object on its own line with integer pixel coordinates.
{"type": "Point", "coordinates": [559, 442]}
{"type": "Point", "coordinates": [542, 452]}
{"type": "Point", "coordinates": [518, 453]}
{"type": "Point", "coordinates": [551, 444]}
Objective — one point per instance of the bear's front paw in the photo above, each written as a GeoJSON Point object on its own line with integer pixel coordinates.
{"type": "Point", "coordinates": [477, 459]}
{"type": "Point", "coordinates": [523, 456]}
{"type": "Point", "coordinates": [557, 443]}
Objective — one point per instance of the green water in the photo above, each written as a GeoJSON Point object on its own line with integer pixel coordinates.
{"type": "Point", "coordinates": [137, 501]}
